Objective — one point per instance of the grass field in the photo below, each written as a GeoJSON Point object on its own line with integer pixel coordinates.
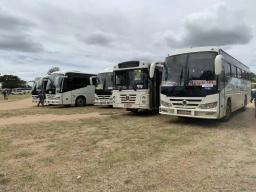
{"type": "Point", "coordinates": [115, 150]}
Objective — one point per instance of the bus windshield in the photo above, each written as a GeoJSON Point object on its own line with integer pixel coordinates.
{"type": "Point", "coordinates": [105, 81]}
{"type": "Point", "coordinates": [190, 74]}
{"type": "Point", "coordinates": [54, 81]}
{"type": "Point", "coordinates": [131, 79]}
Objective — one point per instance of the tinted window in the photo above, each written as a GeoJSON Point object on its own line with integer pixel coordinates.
{"type": "Point", "coordinates": [227, 69]}
{"type": "Point", "coordinates": [239, 73]}
{"type": "Point", "coordinates": [67, 84]}
{"type": "Point", "coordinates": [233, 71]}
{"type": "Point", "coordinates": [80, 82]}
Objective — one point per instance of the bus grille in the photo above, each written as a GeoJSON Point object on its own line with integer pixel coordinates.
{"type": "Point", "coordinates": [128, 98]}
{"type": "Point", "coordinates": [185, 103]}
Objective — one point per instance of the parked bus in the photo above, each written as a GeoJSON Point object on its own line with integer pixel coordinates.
{"type": "Point", "coordinates": [104, 88]}
{"type": "Point", "coordinates": [253, 87]}
{"type": "Point", "coordinates": [204, 83]}
{"type": "Point", "coordinates": [70, 88]}
{"type": "Point", "coordinates": [38, 86]}
{"type": "Point", "coordinates": [137, 85]}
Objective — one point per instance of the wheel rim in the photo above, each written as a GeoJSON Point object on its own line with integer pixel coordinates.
{"type": "Point", "coordinates": [80, 102]}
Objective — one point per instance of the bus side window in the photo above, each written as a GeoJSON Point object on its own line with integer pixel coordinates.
{"type": "Point", "coordinates": [227, 69]}
{"type": "Point", "coordinates": [94, 81]}
{"type": "Point", "coordinates": [239, 73]}
{"type": "Point", "coordinates": [233, 71]}
{"type": "Point", "coordinates": [80, 82]}
{"type": "Point", "coordinates": [67, 84]}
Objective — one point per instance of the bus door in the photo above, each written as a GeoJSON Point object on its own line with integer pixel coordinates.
{"type": "Point", "coordinates": [155, 89]}
{"type": "Point", "coordinates": [67, 91]}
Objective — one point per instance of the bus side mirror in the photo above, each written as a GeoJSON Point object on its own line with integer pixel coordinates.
{"type": "Point", "coordinates": [218, 64]}
{"type": "Point", "coordinates": [152, 70]}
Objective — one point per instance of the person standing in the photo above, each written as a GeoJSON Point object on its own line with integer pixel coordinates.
{"type": "Point", "coordinates": [41, 98]}
{"type": "Point", "coordinates": [5, 94]}
{"type": "Point", "coordinates": [253, 98]}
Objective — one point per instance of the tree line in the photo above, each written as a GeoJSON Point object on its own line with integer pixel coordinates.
{"type": "Point", "coordinates": [12, 81]}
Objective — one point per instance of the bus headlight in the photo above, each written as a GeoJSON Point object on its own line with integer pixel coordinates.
{"type": "Point", "coordinates": [166, 104]}
{"type": "Point", "coordinates": [208, 105]}
{"type": "Point", "coordinates": [113, 99]}
{"type": "Point", "coordinates": [143, 99]}
{"type": "Point", "coordinates": [96, 97]}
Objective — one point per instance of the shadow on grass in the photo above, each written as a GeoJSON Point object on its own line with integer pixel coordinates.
{"type": "Point", "coordinates": [211, 123]}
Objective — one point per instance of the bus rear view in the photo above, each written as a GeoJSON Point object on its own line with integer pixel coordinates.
{"type": "Point", "coordinates": [203, 83]}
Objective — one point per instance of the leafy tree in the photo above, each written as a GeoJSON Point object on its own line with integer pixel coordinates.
{"type": "Point", "coordinates": [12, 81]}
{"type": "Point", "coordinates": [53, 69]}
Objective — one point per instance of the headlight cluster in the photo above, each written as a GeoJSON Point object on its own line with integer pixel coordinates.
{"type": "Point", "coordinates": [113, 99]}
{"type": "Point", "coordinates": [208, 105]}
{"type": "Point", "coordinates": [57, 98]}
{"type": "Point", "coordinates": [165, 104]}
{"type": "Point", "coordinates": [143, 99]}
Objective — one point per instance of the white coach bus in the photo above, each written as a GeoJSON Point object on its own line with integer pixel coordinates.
{"type": "Point", "coordinates": [104, 88]}
{"type": "Point", "coordinates": [70, 88]}
{"type": "Point", "coordinates": [38, 86]}
{"type": "Point", "coordinates": [204, 83]}
{"type": "Point", "coordinates": [137, 85]}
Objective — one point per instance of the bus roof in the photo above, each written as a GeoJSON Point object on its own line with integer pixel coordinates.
{"type": "Point", "coordinates": [131, 65]}
{"type": "Point", "coordinates": [209, 49]}
{"type": "Point", "coordinates": [74, 72]}
{"type": "Point", "coordinates": [193, 50]}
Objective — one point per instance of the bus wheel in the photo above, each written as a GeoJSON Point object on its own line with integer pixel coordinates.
{"type": "Point", "coordinates": [245, 103]}
{"type": "Point", "coordinates": [80, 101]}
{"type": "Point", "coordinates": [228, 111]}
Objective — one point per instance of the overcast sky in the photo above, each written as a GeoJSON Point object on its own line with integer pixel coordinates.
{"type": "Point", "coordinates": [90, 36]}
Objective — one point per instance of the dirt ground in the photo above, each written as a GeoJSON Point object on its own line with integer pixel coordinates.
{"type": "Point", "coordinates": [104, 149]}
{"type": "Point", "coordinates": [12, 105]}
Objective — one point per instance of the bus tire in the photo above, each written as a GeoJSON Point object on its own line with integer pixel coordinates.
{"type": "Point", "coordinates": [245, 103]}
{"type": "Point", "coordinates": [80, 101]}
{"type": "Point", "coordinates": [228, 111]}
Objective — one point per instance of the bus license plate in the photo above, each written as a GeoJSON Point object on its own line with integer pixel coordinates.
{"type": "Point", "coordinates": [128, 105]}
{"type": "Point", "coordinates": [184, 112]}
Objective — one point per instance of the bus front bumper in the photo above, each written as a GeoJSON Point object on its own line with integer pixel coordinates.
{"type": "Point", "coordinates": [103, 102]}
{"type": "Point", "coordinates": [53, 102]}
{"type": "Point", "coordinates": [130, 106]}
{"type": "Point", "coordinates": [193, 113]}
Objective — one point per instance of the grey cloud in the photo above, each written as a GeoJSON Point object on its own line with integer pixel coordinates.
{"type": "Point", "coordinates": [10, 22]}
{"type": "Point", "coordinates": [216, 36]}
{"type": "Point", "coordinates": [216, 26]}
{"type": "Point", "coordinates": [98, 38]}
{"type": "Point", "coordinates": [14, 34]}
{"type": "Point", "coordinates": [22, 43]}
